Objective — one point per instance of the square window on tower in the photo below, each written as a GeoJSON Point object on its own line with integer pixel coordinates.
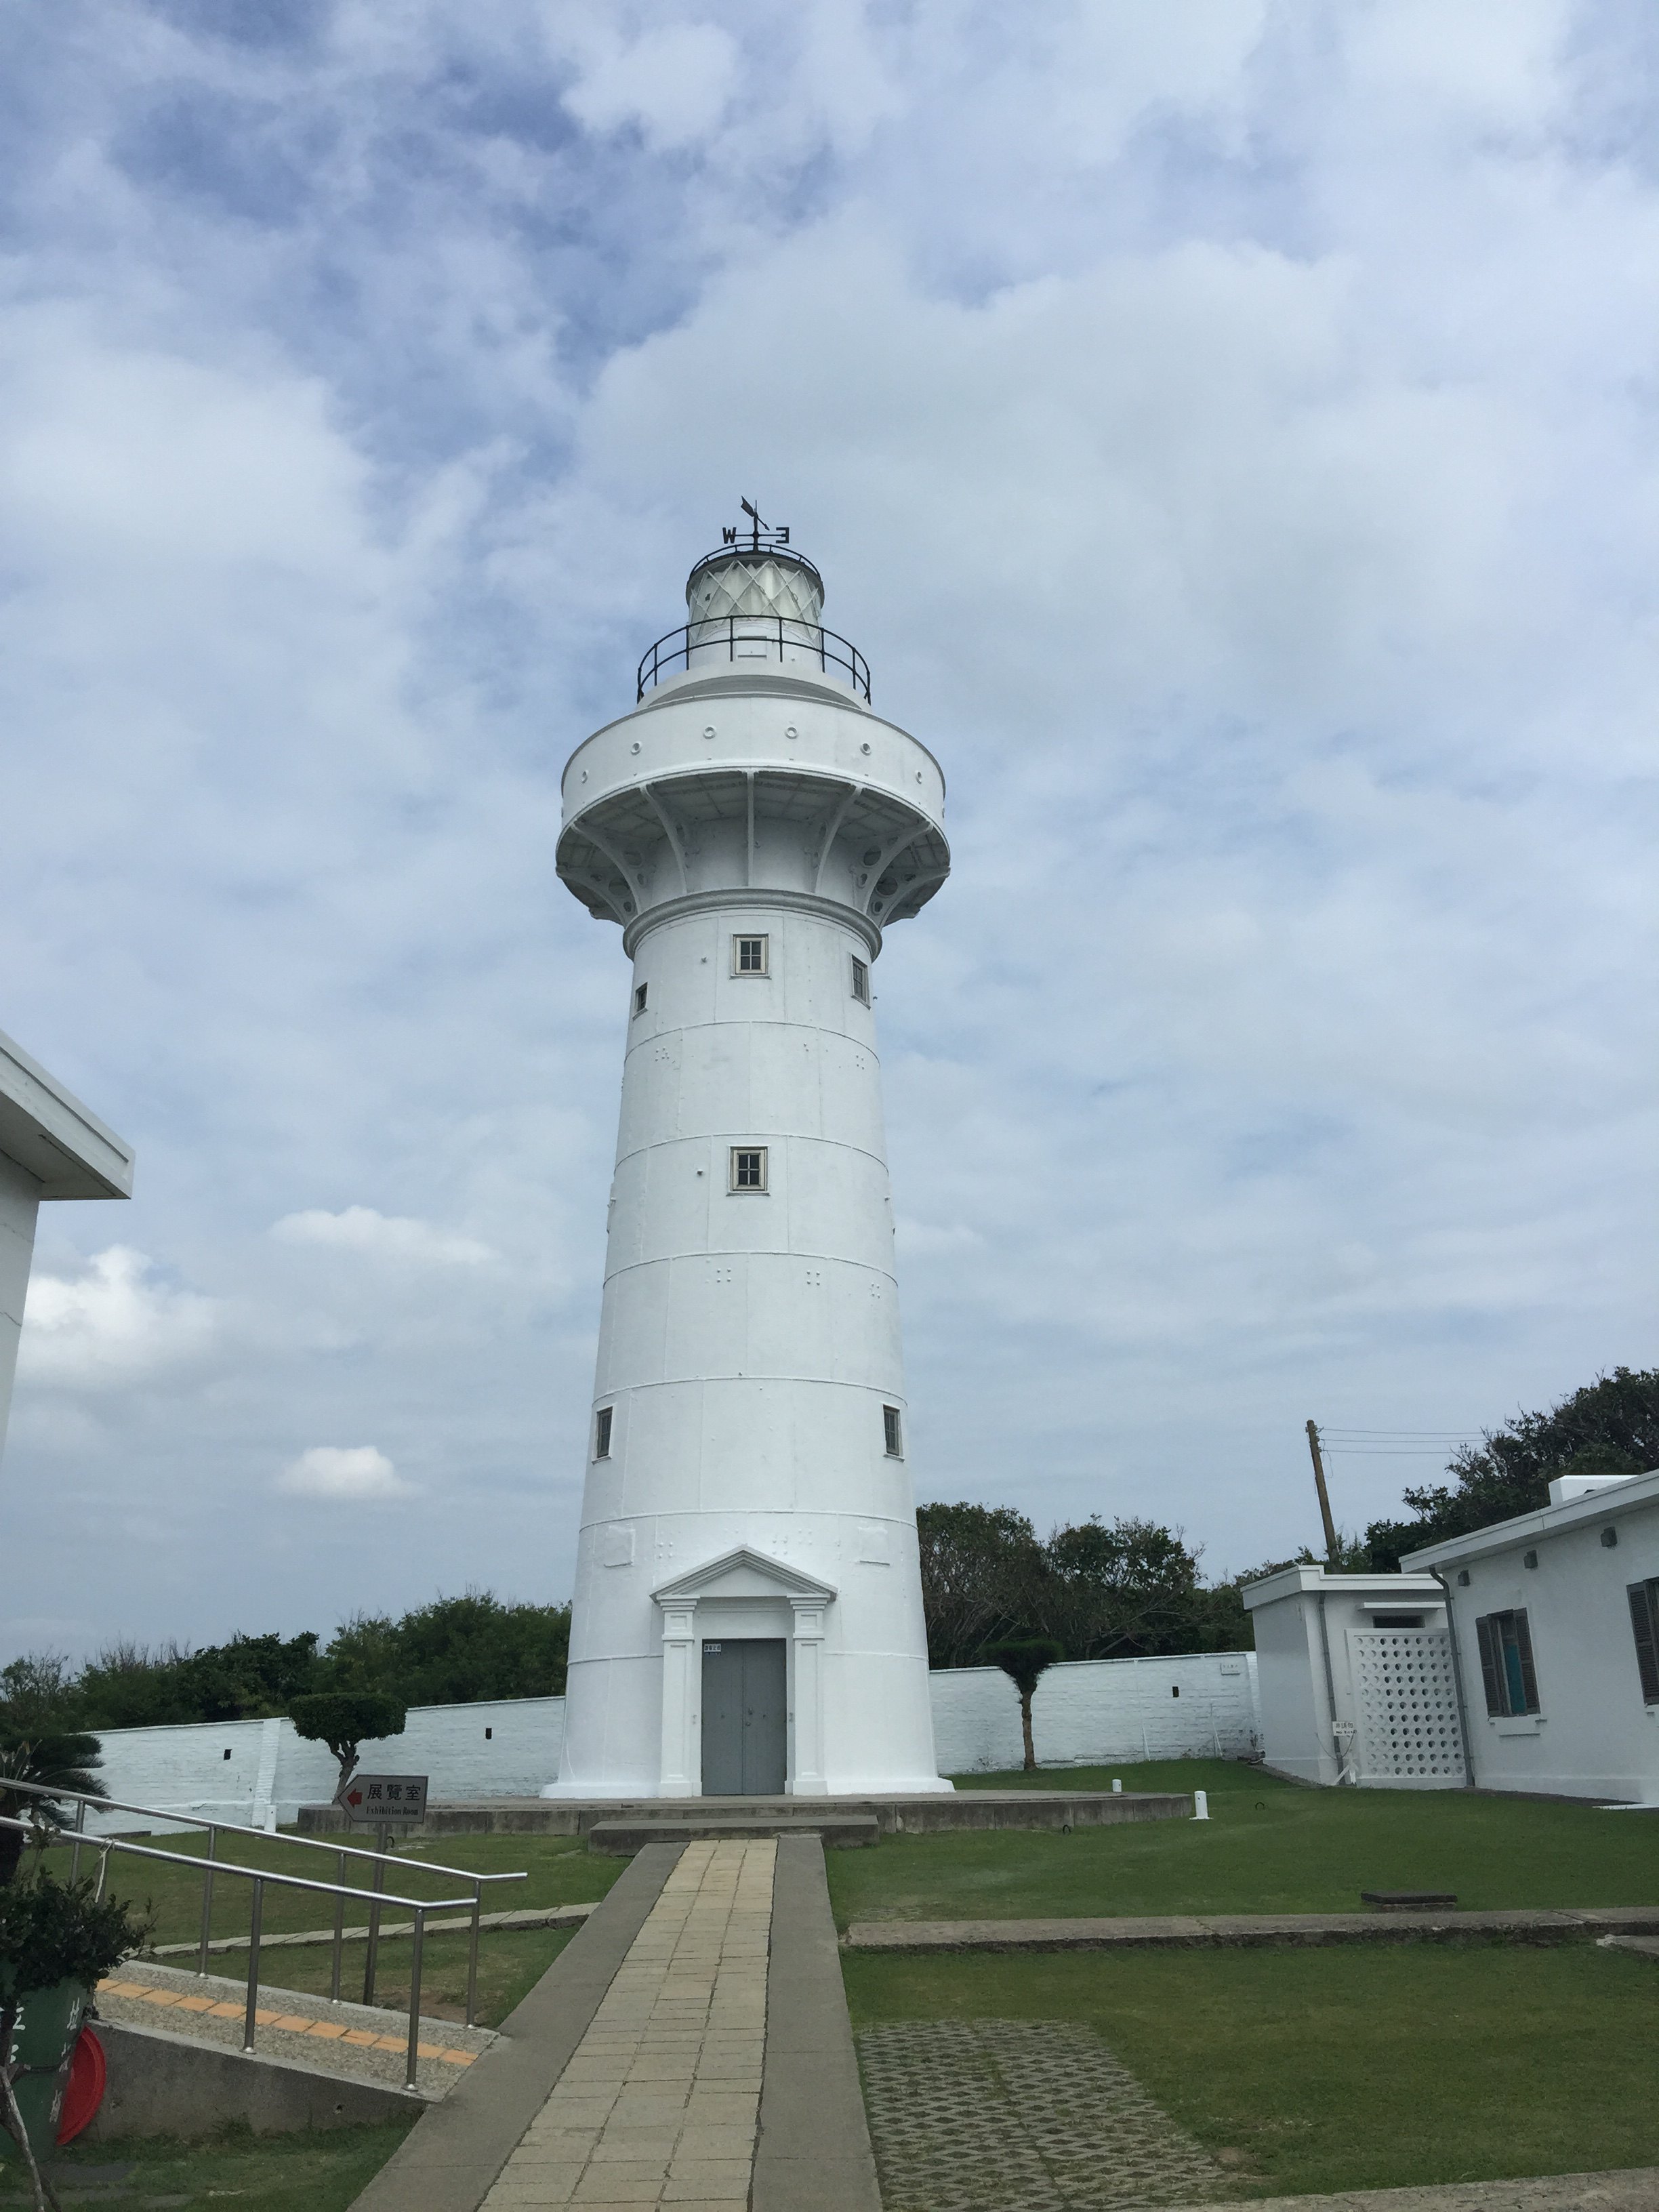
{"type": "Point", "coordinates": [639, 998]}
{"type": "Point", "coordinates": [748, 956]}
{"type": "Point", "coordinates": [602, 1421]}
{"type": "Point", "coordinates": [892, 1431]}
{"type": "Point", "coordinates": [749, 1168]}
{"type": "Point", "coordinates": [861, 980]}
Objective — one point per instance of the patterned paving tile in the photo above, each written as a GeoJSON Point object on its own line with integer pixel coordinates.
{"type": "Point", "coordinates": [1019, 2116]}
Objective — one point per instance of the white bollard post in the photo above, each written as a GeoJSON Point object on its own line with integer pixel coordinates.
{"type": "Point", "coordinates": [1200, 1804]}
{"type": "Point", "coordinates": [1117, 1784]}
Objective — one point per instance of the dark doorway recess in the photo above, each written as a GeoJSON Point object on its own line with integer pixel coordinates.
{"type": "Point", "coordinates": [744, 1734]}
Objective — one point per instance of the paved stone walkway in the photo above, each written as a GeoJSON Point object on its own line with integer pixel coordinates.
{"type": "Point", "coordinates": [1019, 2116]}
{"type": "Point", "coordinates": [659, 2104]}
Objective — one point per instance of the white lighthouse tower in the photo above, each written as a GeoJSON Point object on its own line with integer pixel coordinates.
{"type": "Point", "coordinates": [747, 1601]}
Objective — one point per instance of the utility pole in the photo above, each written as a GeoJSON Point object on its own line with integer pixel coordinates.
{"type": "Point", "coordinates": [1333, 1549]}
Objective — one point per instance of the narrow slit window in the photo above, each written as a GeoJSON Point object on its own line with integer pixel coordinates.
{"type": "Point", "coordinates": [602, 1432]}
{"type": "Point", "coordinates": [892, 1431]}
{"type": "Point", "coordinates": [1506, 1668]}
{"type": "Point", "coordinates": [861, 980]}
{"type": "Point", "coordinates": [640, 990]}
{"type": "Point", "coordinates": [748, 956]}
{"type": "Point", "coordinates": [749, 1168]}
{"type": "Point", "coordinates": [1644, 1623]}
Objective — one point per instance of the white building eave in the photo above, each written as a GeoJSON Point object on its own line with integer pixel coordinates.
{"type": "Point", "coordinates": [1601, 1506]}
{"type": "Point", "coordinates": [52, 1137]}
{"type": "Point", "coordinates": [1289, 1580]}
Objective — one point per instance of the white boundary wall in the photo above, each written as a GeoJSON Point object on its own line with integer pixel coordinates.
{"type": "Point", "coordinates": [251, 1771]}
{"type": "Point", "coordinates": [506, 1747]}
{"type": "Point", "coordinates": [1090, 1710]}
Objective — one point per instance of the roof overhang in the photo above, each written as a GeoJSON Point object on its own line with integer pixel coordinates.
{"type": "Point", "coordinates": [1602, 1505]}
{"type": "Point", "coordinates": [1319, 1582]}
{"type": "Point", "coordinates": [52, 1137]}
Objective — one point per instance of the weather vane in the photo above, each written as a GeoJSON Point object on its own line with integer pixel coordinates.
{"type": "Point", "coordinates": [759, 534]}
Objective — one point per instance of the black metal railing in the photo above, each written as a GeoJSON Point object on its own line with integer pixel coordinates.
{"type": "Point", "coordinates": [763, 637]}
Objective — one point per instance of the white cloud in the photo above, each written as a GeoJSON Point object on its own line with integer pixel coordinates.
{"type": "Point", "coordinates": [394, 1237]}
{"type": "Point", "coordinates": [672, 83]}
{"type": "Point", "coordinates": [1227, 431]}
{"type": "Point", "coordinates": [114, 1326]}
{"type": "Point", "coordinates": [342, 1471]}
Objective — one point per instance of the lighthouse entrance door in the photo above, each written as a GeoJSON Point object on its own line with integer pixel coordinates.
{"type": "Point", "coordinates": [744, 1710]}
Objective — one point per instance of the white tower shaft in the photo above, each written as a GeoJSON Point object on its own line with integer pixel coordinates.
{"type": "Point", "coordinates": [747, 1603]}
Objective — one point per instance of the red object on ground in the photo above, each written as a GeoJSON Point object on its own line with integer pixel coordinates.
{"type": "Point", "coordinates": [84, 2091]}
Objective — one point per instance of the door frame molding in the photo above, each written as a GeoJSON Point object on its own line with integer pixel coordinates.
{"type": "Point", "coordinates": [742, 1580]}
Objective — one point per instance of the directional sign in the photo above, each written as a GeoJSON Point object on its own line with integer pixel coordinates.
{"type": "Point", "coordinates": [372, 1799]}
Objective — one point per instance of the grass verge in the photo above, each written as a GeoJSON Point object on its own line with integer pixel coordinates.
{"type": "Point", "coordinates": [559, 1870]}
{"type": "Point", "coordinates": [319, 2171]}
{"type": "Point", "coordinates": [1268, 1847]}
{"type": "Point", "coordinates": [510, 1964]}
{"type": "Point", "coordinates": [1354, 2069]}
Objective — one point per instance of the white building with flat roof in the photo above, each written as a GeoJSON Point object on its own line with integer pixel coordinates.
{"type": "Point", "coordinates": [50, 1146]}
{"type": "Point", "coordinates": [1555, 1618]}
{"type": "Point", "coordinates": [1356, 1679]}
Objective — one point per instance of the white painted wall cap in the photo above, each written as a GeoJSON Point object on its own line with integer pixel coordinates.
{"type": "Point", "coordinates": [51, 1136]}
{"type": "Point", "coordinates": [1291, 1582]}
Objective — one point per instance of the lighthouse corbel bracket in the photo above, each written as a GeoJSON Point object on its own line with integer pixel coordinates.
{"type": "Point", "coordinates": [640, 849]}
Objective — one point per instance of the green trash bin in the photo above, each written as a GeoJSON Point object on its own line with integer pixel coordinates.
{"type": "Point", "coordinates": [48, 2027]}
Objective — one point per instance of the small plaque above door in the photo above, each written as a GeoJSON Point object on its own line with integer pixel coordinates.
{"type": "Point", "coordinates": [711, 1647]}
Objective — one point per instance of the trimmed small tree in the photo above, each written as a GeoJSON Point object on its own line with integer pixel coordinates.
{"type": "Point", "coordinates": [56, 1758]}
{"type": "Point", "coordinates": [1025, 1660]}
{"type": "Point", "coordinates": [343, 1719]}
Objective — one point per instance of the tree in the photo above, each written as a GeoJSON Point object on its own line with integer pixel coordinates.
{"type": "Point", "coordinates": [454, 1651]}
{"type": "Point", "coordinates": [250, 1678]}
{"type": "Point", "coordinates": [979, 1565]}
{"type": "Point", "coordinates": [344, 1719]}
{"type": "Point", "coordinates": [1129, 1591]}
{"type": "Point", "coordinates": [1610, 1426]}
{"type": "Point", "coordinates": [37, 1745]}
{"type": "Point", "coordinates": [1025, 1660]}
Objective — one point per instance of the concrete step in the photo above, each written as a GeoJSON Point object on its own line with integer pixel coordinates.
{"type": "Point", "coordinates": [622, 1838]}
{"type": "Point", "coordinates": [933, 1815]}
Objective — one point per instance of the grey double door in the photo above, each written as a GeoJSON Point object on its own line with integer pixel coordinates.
{"type": "Point", "coordinates": [744, 1717]}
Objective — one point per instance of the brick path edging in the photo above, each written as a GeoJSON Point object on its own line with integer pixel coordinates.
{"type": "Point", "coordinates": [814, 2153]}
{"type": "Point", "coordinates": [1189, 1931]}
{"type": "Point", "coordinates": [1628, 2189]}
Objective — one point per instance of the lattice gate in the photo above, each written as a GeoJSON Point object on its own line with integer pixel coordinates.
{"type": "Point", "coordinates": [1405, 1707]}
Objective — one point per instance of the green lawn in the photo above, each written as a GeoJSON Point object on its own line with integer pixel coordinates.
{"type": "Point", "coordinates": [1268, 1847]}
{"type": "Point", "coordinates": [317, 2171]}
{"type": "Point", "coordinates": [510, 1964]}
{"type": "Point", "coordinates": [561, 1871]}
{"type": "Point", "coordinates": [1343, 2069]}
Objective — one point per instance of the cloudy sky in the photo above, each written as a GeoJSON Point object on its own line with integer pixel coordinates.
{"type": "Point", "coordinates": [1229, 429]}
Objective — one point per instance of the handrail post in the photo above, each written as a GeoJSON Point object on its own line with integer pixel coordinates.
{"type": "Point", "coordinates": [249, 2025]}
{"type": "Point", "coordinates": [473, 1954]}
{"type": "Point", "coordinates": [339, 1933]}
{"type": "Point", "coordinates": [207, 1898]}
{"type": "Point", "coordinates": [415, 1997]}
{"type": "Point", "coordinates": [80, 1830]}
{"type": "Point", "coordinates": [371, 1959]}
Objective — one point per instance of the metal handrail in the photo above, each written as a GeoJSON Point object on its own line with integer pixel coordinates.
{"type": "Point", "coordinates": [211, 1865]}
{"type": "Point", "coordinates": [704, 635]}
{"type": "Point", "coordinates": [259, 1877]}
